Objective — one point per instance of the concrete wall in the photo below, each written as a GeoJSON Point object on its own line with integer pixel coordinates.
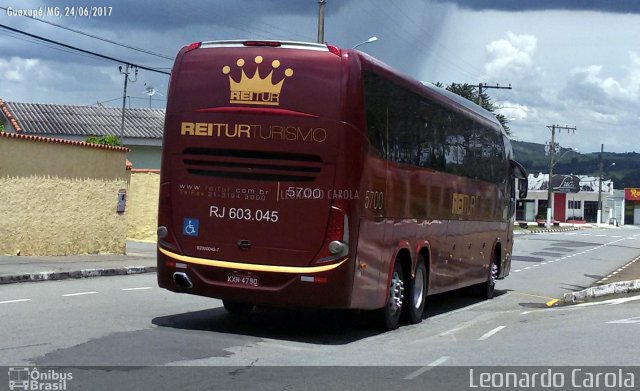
{"type": "Point", "coordinates": [142, 205]}
{"type": "Point", "coordinates": [145, 156]}
{"type": "Point", "coordinates": [59, 197]}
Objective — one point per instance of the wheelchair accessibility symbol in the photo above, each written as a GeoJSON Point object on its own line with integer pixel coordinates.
{"type": "Point", "coordinates": [190, 227]}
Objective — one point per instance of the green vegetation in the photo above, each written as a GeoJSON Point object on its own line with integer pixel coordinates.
{"type": "Point", "coordinates": [1, 127]}
{"type": "Point", "coordinates": [105, 140]}
{"type": "Point", "coordinates": [626, 172]}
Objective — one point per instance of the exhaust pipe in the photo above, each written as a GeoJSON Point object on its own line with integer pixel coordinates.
{"type": "Point", "coordinates": [181, 279]}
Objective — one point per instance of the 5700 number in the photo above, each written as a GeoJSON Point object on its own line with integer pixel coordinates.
{"type": "Point", "coordinates": [373, 200]}
{"type": "Point", "coordinates": [243, 214]}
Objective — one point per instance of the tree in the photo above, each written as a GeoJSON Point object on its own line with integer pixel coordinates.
{"type": "Point", "coordinates": [1, 127]}
{"type": "Point", "coordinates": [105, 140]}
{"type": "Point", "coordinates": [470, 92]}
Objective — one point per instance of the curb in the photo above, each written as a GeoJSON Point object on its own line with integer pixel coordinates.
{"type": "Point", "coordinates": [540, 231]}
{"type": "Point", "coordinates": [84, 273]}
{"type": "Point", "coordinates": [614, 288]}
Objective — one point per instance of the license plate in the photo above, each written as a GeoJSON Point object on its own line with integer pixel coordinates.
{"type": "Point", "coordinates": [242, 279]}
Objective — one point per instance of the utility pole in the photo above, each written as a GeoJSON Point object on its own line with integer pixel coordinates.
{"type": "Point", "coordinates": [321, 4]}
{"type": "Point", "coordinates": [485, 86]}
{"type": "Point", "coordinates": [124, 95]}
{"type": "Point", "coordinates": [552, 155]}
{"type": "Point", "coordinates": [600, 185]}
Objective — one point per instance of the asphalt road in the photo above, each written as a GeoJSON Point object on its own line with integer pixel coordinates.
{"type": "Point", "coordinates": [552, 264]}
{"type": "Point", "coordinates": [128, 323]}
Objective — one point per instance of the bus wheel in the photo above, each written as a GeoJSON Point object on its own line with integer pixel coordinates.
{"type": "Point", "coordinates": [237, 308]}
{"type": "Point", "coordinates": [416, 294]}
{"type": "Point", "coordinates": [487, 289]}
{"type": "Point", "coordinates": [390, 313]}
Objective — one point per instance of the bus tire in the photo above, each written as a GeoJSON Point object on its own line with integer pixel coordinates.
{"type": "Point", "coordinates": [237, 308]}
{"type": "Point", "coordinates": [416, 294]}
{"type": "Point", "coordinates": [487, 289]}
{"type": "Point", "coordinates": [389, 315]}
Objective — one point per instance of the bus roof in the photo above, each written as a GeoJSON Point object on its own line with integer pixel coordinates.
{"type": "Point", "coordinates": [265, 43]}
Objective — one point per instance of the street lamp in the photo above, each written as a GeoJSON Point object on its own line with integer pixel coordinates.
{"type": "Point", "coordinates": [552, 164]}
{"type": "Point", "coordinates": [372, 39]}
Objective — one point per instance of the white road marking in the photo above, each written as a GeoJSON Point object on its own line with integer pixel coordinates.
{"type": "Point", "coordinates": [635, 319]}
{"type": "Point", "coordinates": [136, 289]}
{"type": "Point", "coordinates": [451, 331]}
{"type": "Point", "coordinates": [516, 271]}
{"type": "Point", "coordinates": [79, 294]}
{"type": "Point", "coordinates": [429, 367]}
{"type": "Point", "coordinates": [616, 236]}
{"type": "Point", "coordinates": [585, 234]}
{"type": "Point", "coordinates": [536, 265]}
{"type": "Point", "coordinates": [527, 268]}
{"type": "Point", "coordinates": [490, 333]}
{"type": "Point", "coordinates": [14, 301]}
{"type": "Point", "coordinates": [601, 235]}
{"type": "Point", "coordinates": [597, 303]}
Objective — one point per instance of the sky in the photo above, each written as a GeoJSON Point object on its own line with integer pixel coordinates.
{"type": "Point", "coordinates": [569, 62]}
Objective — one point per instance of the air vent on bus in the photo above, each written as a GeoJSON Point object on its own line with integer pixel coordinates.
{"type": "Point", "coordinates": [252, 165]}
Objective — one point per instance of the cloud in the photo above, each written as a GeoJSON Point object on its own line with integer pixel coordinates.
{"type": "Point", "coordinates": [589, 83]}
{"type": "Point", "coordinates": [511, 58]}
{"type": "Point", "coordinates": [14, 69]}
{"type": "Point", "coordinates": [516, 112]}
{"type": "Point", "coordinates": [615, 6]}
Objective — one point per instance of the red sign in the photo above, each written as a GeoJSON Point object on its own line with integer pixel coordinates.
{"type": "Point", "coordinates": [632, 194]}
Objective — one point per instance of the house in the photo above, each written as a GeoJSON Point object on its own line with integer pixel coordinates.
{"type": "Point", "coordinates": [142, 127]}
{"type": "Point", "coordinates": [575, 197]}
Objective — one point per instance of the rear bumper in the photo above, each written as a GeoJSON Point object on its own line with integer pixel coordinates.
{"type": "Point", "coordinates": [327, 286]}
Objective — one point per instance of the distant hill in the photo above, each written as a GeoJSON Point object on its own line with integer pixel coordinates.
{"type": "Point", "coordinates": [625, 173]}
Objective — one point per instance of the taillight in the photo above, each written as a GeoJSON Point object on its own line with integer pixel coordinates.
{"type": "Point", "coordinates": [272, 44]}
{"type": "Point", "coordinates": [334, 49]}
{"type": "Point", "coordinates": [336, 242]}
{"type": "Point", "coordinates": [166, 237]}
{"type": "Point", "coordinates": [193, 46]}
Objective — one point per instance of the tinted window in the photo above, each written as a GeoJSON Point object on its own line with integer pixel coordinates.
{"type": "Point", "coordinates": [411, 129]}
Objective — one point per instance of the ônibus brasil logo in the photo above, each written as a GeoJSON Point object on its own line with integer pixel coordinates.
{"type": "Point", "coordinates": [23, 378]}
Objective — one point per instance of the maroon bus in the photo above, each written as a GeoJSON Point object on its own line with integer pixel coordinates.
{"type": "Point", "coordinates": [305, 175]}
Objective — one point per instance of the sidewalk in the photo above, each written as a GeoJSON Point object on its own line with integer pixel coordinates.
{"type": "Point", "coordinates": [139, 258]}
{"type": "Point", "coordinates": [622, 281]}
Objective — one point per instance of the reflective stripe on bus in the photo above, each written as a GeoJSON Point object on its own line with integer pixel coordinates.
{"type": "Point", "coordinates": [250, 266]}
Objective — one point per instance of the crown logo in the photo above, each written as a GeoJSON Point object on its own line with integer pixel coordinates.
{"type": "Point", "coordinates": [255, 90]}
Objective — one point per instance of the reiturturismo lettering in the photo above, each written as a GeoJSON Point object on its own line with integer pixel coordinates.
{"type": "Point", "coordinates": [271, 132]}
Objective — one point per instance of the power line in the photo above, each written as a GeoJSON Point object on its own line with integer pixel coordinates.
{"type": "Point", "coordinates": [95, 36]}
{"type": "Point", "coordinates": [81, 50]}
{"type": "Point", "coordinates": [16, 36]}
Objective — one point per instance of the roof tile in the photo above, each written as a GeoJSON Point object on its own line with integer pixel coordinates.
{"type": "Point", "coordinates": [69, 120]}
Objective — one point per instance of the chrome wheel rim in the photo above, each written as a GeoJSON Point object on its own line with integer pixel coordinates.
{"type": "Point", "coordinates": [494, 273]}
{"type": "Point", "coordinates": [396, 293]}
